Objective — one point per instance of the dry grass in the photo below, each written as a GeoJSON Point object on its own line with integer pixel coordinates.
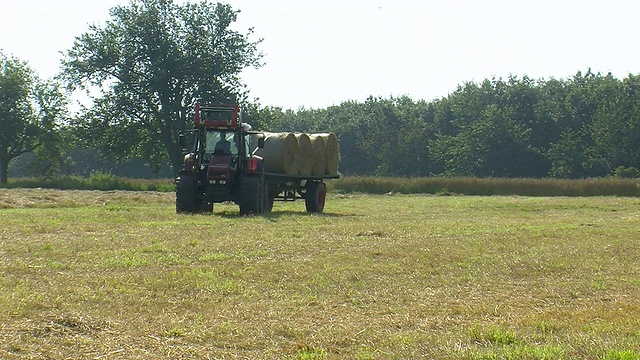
{"type": "Point", "coordinates": [119, 275]}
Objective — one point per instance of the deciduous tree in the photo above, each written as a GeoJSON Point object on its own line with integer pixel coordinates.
{"type": "Point", "coordinates": [153, 60]}
{"type": "Point", "coordinates": [30, 114]}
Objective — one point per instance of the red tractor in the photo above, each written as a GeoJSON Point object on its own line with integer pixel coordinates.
{"type": "Point", "coordinates": [222, 166]}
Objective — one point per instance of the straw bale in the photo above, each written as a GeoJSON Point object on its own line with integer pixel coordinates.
{"type": "Point", "coordinates": [332, 152]}
{"type": "Point", "coordinates": [304, 154]}
{"type": "Point", "coordinates": [318, 155]}
{"type": "Point", "coordinates": [280, 153]}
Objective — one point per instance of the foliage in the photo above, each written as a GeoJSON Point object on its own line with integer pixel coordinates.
{"type": "Point", "coordinates": [18, 124]}
{"type": "Point", "coordinates": [584, 126]}
{"type": "Point", "coordinates": [31, 112]}
{"type": "Point", "coordinates": [153, 61]}
{"type": "Point", "coordinates": [56, 138]}
{"type": "Point", "coordinates": [626, 173]}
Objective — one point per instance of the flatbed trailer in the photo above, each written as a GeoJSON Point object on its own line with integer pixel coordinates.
{"type": "Point", "coordinates": [281, 187]}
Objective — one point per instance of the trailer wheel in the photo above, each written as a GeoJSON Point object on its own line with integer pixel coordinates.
{"type": "Point", "coordinates": [251, 195]}
{"type": "Point", "coordinates": [186, 197]}
{"type": "Point", "coordinates": [315, 196]}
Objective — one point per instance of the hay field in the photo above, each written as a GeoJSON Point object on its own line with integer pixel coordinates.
{"type": "Point", "coordinates": [118, 275]}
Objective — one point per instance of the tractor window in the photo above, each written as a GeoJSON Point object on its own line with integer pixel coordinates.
{"type": "Point", "coordinates": [251, 143]}
{"type": "Point", "coordinates": [191, 141]}
{"type": "Point", "coordinates": [220, 142]}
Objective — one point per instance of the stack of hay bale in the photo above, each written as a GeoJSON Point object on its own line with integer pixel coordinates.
{"type": "Point", "coordinates": [300, 154]}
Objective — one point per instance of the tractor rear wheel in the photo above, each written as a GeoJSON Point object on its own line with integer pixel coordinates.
{"type": "Point", "coordinates": [315, 196]}
{"type": "Point", "coordinates": [186, 197]}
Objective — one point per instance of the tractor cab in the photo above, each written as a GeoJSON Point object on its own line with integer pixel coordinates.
{"type": "Point", "coordinates": [220, 144]}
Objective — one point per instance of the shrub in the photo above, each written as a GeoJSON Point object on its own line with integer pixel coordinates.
{"type": "Point", "coordinates": [626, 173]}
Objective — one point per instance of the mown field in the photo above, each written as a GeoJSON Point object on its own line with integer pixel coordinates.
{"type": "Point", "coordinates": [118, 275]}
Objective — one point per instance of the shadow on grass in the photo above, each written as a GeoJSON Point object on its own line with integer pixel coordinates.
{"type": "Point", "coordinates": [276, 215]}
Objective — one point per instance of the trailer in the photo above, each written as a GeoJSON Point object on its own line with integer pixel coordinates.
{"type": "Point", "coordinates": [312, 190]}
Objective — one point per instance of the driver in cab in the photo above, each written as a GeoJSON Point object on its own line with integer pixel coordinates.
{"type": "Point", "coordinates": [223, 146]}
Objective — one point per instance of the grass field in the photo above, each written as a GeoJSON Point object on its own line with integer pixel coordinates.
{"type": "Point", "coordinates": [118, 275]}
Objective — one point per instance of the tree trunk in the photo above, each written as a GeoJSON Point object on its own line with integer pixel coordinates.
{"type": "Point", "coordinates": [175, 154]}
{"type": "Point", "coordinates": [172, 147]}
{"type": "Point", "coordinates": [4, 166]}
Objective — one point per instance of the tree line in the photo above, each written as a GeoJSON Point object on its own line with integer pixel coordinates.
{"type": "Point", "coordinates": [155, 59]}
{"type": "Point", "coordinates": [587, 125]}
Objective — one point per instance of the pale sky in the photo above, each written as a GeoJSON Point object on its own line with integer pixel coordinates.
{"type": "Point", "coordinates": [321, 53]}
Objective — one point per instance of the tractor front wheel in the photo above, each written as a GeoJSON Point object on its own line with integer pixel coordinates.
{"type": "Point", "coordinates": [186, 197]}
{"type": "Point", "coordinates": [251, 195]}
{"type": "Point", "coordinates": [206, 207]}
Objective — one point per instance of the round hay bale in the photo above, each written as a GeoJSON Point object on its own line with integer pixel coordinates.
{"type": "Point", "coordinates": [332, 152]}
{"type": "Point", "coordinates": [318, 155]}
{"type": "Point", "coordinates": [280, 153]}
{"type": "Point", "coordinates": [304, 154]}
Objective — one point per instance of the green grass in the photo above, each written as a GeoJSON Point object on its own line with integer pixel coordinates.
{"type": "Point", "coordinates": [117, 274]}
